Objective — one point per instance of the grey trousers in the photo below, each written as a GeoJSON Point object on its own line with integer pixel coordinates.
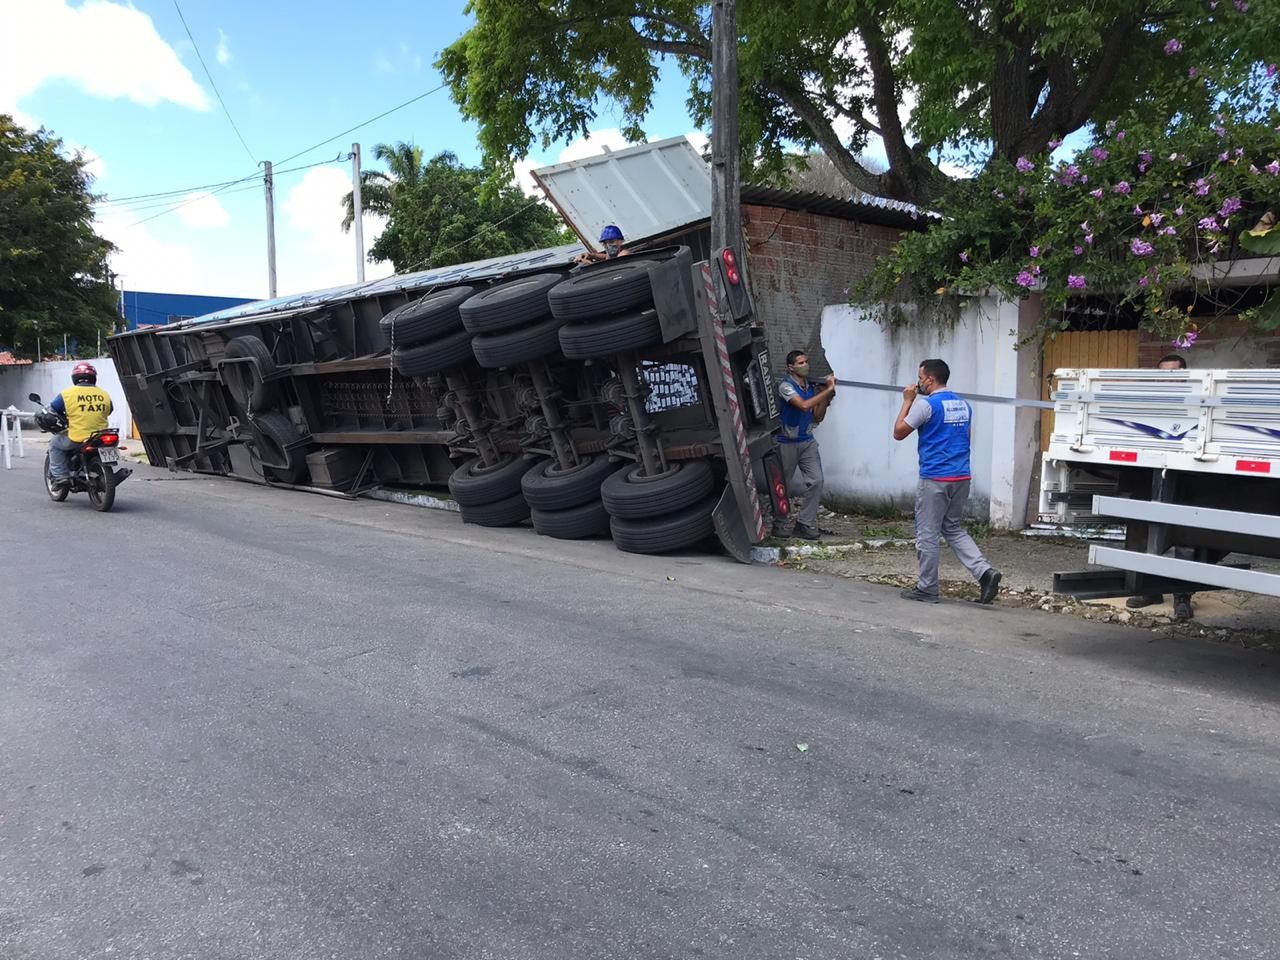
{"type": "Point", "coordinates": [939, 509]}
{"type": "Point", "coordinates": [802, 470]}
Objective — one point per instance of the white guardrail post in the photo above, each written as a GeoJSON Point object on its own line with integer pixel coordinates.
{"type": "Point", "coordinates": [11, 434]}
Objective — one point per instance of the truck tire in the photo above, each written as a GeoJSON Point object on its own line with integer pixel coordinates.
{"type": "Point", "coordinates": [452, 350]}
{"type": "Point", "coordinates": [474, 485]}
{"type": "Point", "coordinates": [503, 513]}
{"type": "Point", "coordinates": [246, 382]}
{"type": "Point", "coordinates": [585, 520]}
{"type": "Point", "coordinates": [550, 489]}
{"type": "Point", "coordinates": [620, 286]}
{"type": "Point", "coordinates": [273, 433]}
{"type": "Point", "coordinates": [426, 318]}
{"type": "Point", "coordinates": [495, 350]}
{"type": "Point", "coordinates": [509, 305]}
{"type": "Point", "coordinates": [675, 531]}
{"type": "Point", "coordinates": [629, 496]}
{"type": "Point", "coordinates": [631, 331]}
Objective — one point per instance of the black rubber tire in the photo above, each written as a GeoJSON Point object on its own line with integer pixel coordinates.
{"type": "Point", "coordinates": [675, 531]}
{"type": "Point", "coordinates": [101, 484]}
{"type": "Point", "coordinates": [495, 350]}
{"type": "Point", "coordinates": [427, 318]}
{"type": "Point", "coordinates": [472, 485]}
{"type": "Point", "coordinates": [603, 291]}
{"type": "Point", "coordinates": [549, 489]}
{"type": "Point", "coordinates": [585, 520]}
{"type": "Point", "coordinates": [503, 513]}
{"type": "Point", "coordinates": [603, 338]}
{"type": "Point", "coordinates": [57, 496]}
{"type": "Point", "coordinates": [630, 497]}
{"type": "Point", "coordinates": [509, 305]}
{"type": "Point", "coordinates": [274, 432]}
{"type": "Point", "coordinates": [448, 352]}
{"type": "Point", "coordinates": [246, 381]}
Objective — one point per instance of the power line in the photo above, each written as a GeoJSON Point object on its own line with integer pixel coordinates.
{"type": "Point", "coordinates": [364, 123]}
{"type": "Point", "coordinates": [200, 57]}
{"type": "Point", "coordinates": [107, 201]}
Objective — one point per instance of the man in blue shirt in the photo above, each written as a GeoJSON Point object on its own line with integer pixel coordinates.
{"type": "Point", "coordinates": [804, 404]}
{"type": "Point", "coordinates": [943, 422]}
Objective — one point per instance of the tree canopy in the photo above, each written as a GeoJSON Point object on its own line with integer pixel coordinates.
{"type": "Point", "coordinates": [988, 80]}
{"type": "Point", "coordinates": [53, 267]}
{"type": "Point", "coordinates": [440, 212]}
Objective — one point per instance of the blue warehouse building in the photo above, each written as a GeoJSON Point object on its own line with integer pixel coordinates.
{"type": "Point", "coordinates": [141, 308]}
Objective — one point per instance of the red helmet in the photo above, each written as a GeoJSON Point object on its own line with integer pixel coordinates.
{"type": "Point", "coordinates": [84, 373]}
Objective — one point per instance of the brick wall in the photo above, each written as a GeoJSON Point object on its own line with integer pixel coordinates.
{"type": "Point", "coordinates": [1223, 346]}
{"type": "Point", "coordinates": [799, 263]}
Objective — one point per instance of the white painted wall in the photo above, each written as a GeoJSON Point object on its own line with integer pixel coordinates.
{"type": "Point", "coordinates": [861, 460]}
{"type": "Point", "coordinates": [50, 378]}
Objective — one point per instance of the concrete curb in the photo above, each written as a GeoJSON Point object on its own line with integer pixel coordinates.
{"type": "Point", "coordinates": [770, 555]}
{"type": "Point", "coordinates": [411, 499]}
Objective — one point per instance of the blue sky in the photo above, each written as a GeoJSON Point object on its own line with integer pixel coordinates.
{"type": "Point", "coordinates": [123, 82]}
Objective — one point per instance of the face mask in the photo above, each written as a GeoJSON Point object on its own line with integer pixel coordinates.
{"type": "Point", "coordinates": [801, 370]}
{"type": "Point", "coordinates": [922, 388]}
{"type": "Point", "coordinates": [612, 248]}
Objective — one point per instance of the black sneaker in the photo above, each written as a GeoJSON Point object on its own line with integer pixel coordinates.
{"type": "Point", "coordinates": [1182, 606]}
{"type": "Point", "coordinates": [1149, 600]}
{"type": "Point", "coordinates": [990, 584]}
{"type": "Point", "coordinates": [915, 593]}
{"type": "Point", "coordinates": [806, 533]}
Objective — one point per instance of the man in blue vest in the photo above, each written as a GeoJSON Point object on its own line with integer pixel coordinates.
{"type": "Point", "coordinates": [943, 422]}
{"type": "Point", "coordinates": [804, 403]}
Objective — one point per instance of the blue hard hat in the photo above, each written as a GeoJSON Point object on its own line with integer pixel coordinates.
{"type": "Point", "coordinates": [611, 232]}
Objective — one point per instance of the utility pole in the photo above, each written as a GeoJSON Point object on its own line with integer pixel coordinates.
{"type": "Point", "coordinates": [726, 187]}
{"type": "Point", "coordinates": [271, 230]}
{"type": "Point", "coordinates": [358, 221]}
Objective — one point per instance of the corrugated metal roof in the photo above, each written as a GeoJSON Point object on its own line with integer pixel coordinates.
{"type": "Point", "coordinates": [648, 190]}
{"type": "Point", "coordinates": [868, 209]}
{"type": "Point", "coordinates": [407, 282]}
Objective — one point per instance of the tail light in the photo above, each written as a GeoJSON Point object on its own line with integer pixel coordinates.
{"type": "Point", "coordinates": [777, 486]}
{"type": "Point", "coordinates": [109, 439]}
{"type": "Point", "coordinates": [731, 267]}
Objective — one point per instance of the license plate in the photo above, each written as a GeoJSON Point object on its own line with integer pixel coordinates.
{"type": "Point", "coordinates": [108, 455]}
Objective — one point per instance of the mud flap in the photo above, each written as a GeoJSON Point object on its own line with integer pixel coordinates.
{"type": "Point", "coordinates": [730, 527]}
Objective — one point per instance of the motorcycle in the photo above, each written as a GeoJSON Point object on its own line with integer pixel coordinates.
{"type": "Point", "coordinates": [93, 469]}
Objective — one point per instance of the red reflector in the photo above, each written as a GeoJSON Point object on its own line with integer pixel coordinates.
{"type": "Point", "coordinates": [732, 274]}
{"type": "Point", "coordinates": [729, 259]}
{"type": "Point", "coordinates": [1125, 456]}
{"type": "Point", "coordinates": [1253, 466]}
{"type": "Point", "coordinates": [88, 448]}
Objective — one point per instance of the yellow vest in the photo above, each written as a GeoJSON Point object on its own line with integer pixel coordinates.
{"type": "Point", "coordinates": [87, 409]}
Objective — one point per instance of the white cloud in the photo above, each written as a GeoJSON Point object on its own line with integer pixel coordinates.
{"type": "Point", "coordinates": [202, 209]}
{"type": "Point", "coordinates": [108, 50]}
{"type": "Point", "coordinates": [224, 48]}
{"type": "Point", "coordinates": [144, 262]}
{"type": "Point", "coordinates": [312, 251]}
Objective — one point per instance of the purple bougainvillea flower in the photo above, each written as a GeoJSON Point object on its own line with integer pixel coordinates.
{"type": "Point", "coordinates": [1100, 153]}
{"type": "Point", "coordinates": [1193, 72]}
{"type": "Point", "coordinates": [1122, 187]}
{"type": "Point", "coordinates": [1137, 211]}
{"type": "Point", "coordinates": [1224, 156]}
{"type": "Point", "coordinates": [1242, 6]}
{"type": "Point", "coordinates": [1055, 143]}
{"type": "Point", "coordinates": [1143, 281]}
{"type": "Point", "coordinates": [1271, 70]}
{"type": "Point", "coordinates": [1140, 248]}
{"type": "Point", "coordinates": [1025, 279]}
{"type": "Point", "coordinates": [1202, 187]}
{"type": "Point", "coordinates": [1239, 151]}
{"type": "Point", "coordinates": [1172, 47]}
{"type": "Point", "coordinates": [1169, 232]}
{"type": "Point", "coordinates": [1220, 131]}
{"type": "Point", "coordinates": [1035, 252]}
{"type": "Point", "coordinates": [964, 256]}
{"type": "Point", "coordinates": [1096, 194]}
{"type": "Point", "coordinates": [1177, 212]}
{"type": "Point", "coordinates": [1088, 238]}
{"type": "Point", "coordinates": [1273, 168]}
{"type": "Point", "coordinates": [1217, 247]}
{"type": "Point", "coordinates": [1157, 219]}
{"type": "Point", "coordinates": [1068, 175]}
{"type": "Point", "coordinates": [1024, 165]}
{"type": "Point", "coordinates": [1121, 135]}
{"type": "Point", "coordinates": [1076, 282]}
{"type": "Point", "coordinates": [1078, 251]}
{"type": "Point", "coordinates": [1208, 223]}
{"type": "Point", "coordinates": [1035, 270]}
{"type": "Point", "coordinates": [1230, 206]}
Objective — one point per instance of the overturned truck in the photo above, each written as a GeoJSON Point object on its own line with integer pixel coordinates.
{"type": "Point", "coordinates": [631, 398]}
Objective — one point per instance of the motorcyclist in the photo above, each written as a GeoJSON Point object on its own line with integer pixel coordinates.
{"type": "Point", "coordinates": [612, 240]}
{"type": "Point", "coordinates": [85, 406]}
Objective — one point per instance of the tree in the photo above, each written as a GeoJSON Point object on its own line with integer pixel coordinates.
{"type": "Point", "coordinates": [991, 79]}
{"type": "Point", "coordinates": [441, 212]}
{"type": "Point", "coordinates": [53, 267]}
{"type": "Point", "coordinates": [815, 171]}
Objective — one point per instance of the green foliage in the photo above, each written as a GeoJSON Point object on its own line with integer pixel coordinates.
{"type": "Point", "coordinates": [53, 267]}
{"type": "Point", "coordinates": [1143, 215]}
{"type": "Point", "coordinates": [991, 81]}
{"type": "Point", "coordinates": [440, 212]}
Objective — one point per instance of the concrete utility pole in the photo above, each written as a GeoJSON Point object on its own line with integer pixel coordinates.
{"type": "Point", "coordinates": [357, 209]}
{"type": "Point", "coordinates": [269, 183]}
{"type": "Point", "coordinates": [726, 187]}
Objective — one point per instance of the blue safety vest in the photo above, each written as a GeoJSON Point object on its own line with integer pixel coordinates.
{"type": "Point", "coordinates": [944, 439]}
{"type": "Point", "coordinates": [796, 423]}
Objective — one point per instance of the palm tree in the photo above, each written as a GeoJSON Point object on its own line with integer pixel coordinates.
{"type": "Point", "coordinates": [378, 189]}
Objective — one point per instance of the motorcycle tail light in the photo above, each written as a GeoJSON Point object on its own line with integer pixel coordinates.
{"type": "Point", "coordinates": [88, 448]}
{"type": "Point", "coordinates": [110, 439]}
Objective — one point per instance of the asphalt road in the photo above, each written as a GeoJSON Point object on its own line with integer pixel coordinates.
{"type": "Point", "coordinates": [243, 723]}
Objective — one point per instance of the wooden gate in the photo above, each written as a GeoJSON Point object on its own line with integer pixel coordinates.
{"type": "Point", "coordinates": [1113, 349]}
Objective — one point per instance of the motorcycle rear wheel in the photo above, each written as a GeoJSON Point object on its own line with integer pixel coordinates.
{"type": "Point", "coordinates": [56, 494]}
{"type": "Point", "coordinates": [101, 485]}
